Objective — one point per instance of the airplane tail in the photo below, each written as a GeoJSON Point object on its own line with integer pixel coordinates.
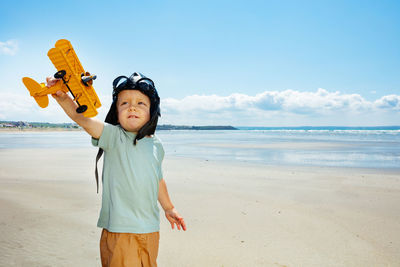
{"type": "Point", "coordinates": [34, 88]}
{"type": "Point", "coordinates": [43, 101]}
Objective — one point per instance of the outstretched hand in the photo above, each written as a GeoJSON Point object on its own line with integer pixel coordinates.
{"type": "Point", "coordinates": [92, 126]}
{"type": "Point", "coordinates": [174, 218]}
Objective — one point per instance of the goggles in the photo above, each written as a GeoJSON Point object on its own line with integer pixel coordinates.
{"type": "Point", "coordinates": [136, 81]}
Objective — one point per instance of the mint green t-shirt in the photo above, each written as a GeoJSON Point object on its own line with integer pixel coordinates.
{"type": "Point", "coordinates": [131, 175]}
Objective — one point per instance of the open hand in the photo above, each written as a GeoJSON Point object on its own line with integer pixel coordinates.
{"type": "Point", "coordinates": [174, 218]}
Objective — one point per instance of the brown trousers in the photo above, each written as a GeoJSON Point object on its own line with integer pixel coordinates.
{"type": "Point", "coordinates": [128, 249]}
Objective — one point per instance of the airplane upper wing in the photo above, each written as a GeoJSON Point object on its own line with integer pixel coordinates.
{"type": "Point", "coordinates": [64, 58]}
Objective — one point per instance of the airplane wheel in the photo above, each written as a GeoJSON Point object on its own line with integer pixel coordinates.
{"type": "Point", "coordinates": [81, 109]}
{"type": "Point", "coordinates": [60, 74]}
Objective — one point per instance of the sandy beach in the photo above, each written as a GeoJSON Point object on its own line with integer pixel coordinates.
{"type": "Point", "coordinates": [237, 214]}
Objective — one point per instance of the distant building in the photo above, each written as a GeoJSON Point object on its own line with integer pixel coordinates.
{"type": "Point", "coordinates": [8, 125]}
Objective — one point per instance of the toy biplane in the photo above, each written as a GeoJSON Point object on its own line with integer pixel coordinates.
{"type": "Point", "coordinates": [73, 79]}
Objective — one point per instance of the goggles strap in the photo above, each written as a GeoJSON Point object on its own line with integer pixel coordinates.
{"type": "Point", "coordinates": [116, 80]}
{"type": "Point", "coordinates": [145, 79]}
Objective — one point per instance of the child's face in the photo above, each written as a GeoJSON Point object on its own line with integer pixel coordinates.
{"type": "Point", "coordinates": [133, 109]}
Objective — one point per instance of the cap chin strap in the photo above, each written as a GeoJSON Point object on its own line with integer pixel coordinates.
{"type": "Point", "coordinates": [95, 171]}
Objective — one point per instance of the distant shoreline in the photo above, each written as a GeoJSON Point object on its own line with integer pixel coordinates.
{"type": "Point", "coordinates": [200, 128]}
{"type": "Point", "coordinates": [18, 126]}
{"type": "Point", "coordinates": [45, 126]}
{"type": "Point", "coordinates": [16, 130]}
{"type": "Point", "coordinates": [64, 129]}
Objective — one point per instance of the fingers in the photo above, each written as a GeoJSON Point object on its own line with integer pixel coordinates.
{"type": "Point", "coordinates": [51, 81]}
{"type": "Point", "coordinates": [177, 225]}
{"type": "Point", "coordinates": [183, 224]}
{"type": "Point", "coordinates": [48, 79]}
{"type": "Point", "coordinates": [174, 218]}
{"type": "Point", "coordinates": [55, 95]}
{"type": "Point", "coordinates": [180, 223]}
{"type": "Point", "coordinates": [60, 96]}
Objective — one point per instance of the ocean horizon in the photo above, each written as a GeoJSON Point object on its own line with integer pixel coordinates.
{"type": "Point", "coordinates": [336, 146]}
{"type": "Point", "coordinates": [302, 127]}
{"type": "Point", "coordinates": [331, 128]}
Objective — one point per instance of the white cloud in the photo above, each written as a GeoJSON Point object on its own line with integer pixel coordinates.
{"type": "Point", "coordinates": [291, 101]}
{"type": "Point", "coordinates": [23, 107]}
{"type": "Point", "coordinates": [287, 107]}
{"type": "Point", "coordinates": [9, 47]}
{"type": "Point", "coordinates": [15, 103]}
{"type": "Point", "coordinates": [269, 108]}
{"type": "Point", "coordinates": [391, 102]}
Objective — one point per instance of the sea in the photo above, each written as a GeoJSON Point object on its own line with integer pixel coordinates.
{"type": "Point", "coordinates": [358, 147]}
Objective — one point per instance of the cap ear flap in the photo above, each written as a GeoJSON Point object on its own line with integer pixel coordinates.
{"type": "Point", "coordinates": [148, 129]}
{"type": "Point", "coordinates": [112, 115]}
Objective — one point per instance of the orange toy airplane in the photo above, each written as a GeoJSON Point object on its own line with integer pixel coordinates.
{"type": "Point", "coordinates": [73, 79]}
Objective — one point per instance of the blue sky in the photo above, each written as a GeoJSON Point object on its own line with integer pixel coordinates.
{"type": "Point", "coordinates": [242, 63]}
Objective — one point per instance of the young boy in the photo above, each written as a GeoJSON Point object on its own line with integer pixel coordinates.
{"type": "Point", "coordinates": [132, 174]}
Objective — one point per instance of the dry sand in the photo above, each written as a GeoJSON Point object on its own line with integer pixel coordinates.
{"type": "Point", "coordinates": [237, 214]}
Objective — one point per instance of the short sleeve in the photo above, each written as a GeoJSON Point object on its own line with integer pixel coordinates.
{"type": "Point", "coordinates": [160, 152]}
{"type": "Point", "coordinates": [107, 138]}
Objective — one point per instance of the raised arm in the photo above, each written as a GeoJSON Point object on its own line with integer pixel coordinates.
{"type": "Point", "coordinates": [92, 126]}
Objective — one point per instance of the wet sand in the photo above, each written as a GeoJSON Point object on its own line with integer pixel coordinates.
{"type": "Point", "coordinates": [237, 214]}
